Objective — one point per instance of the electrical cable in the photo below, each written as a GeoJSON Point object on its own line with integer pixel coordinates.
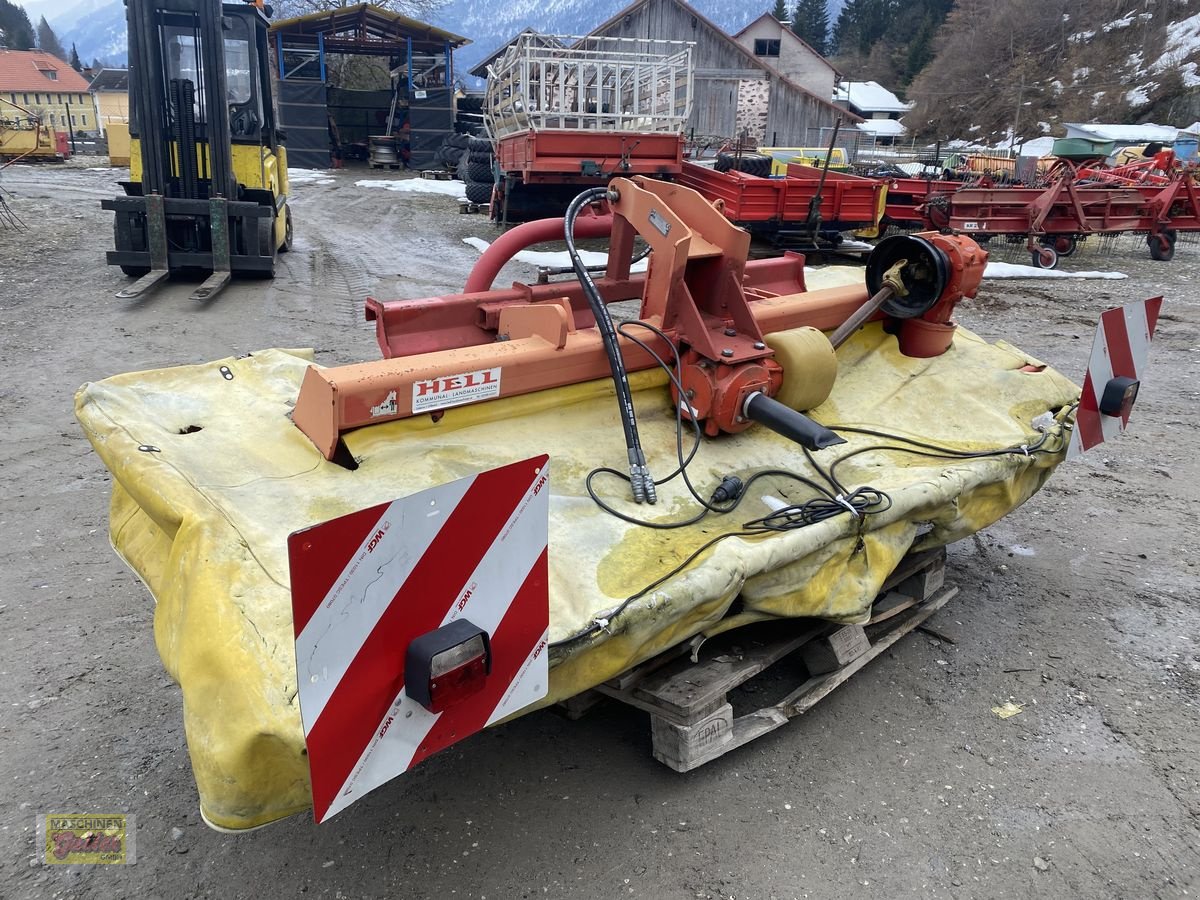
{"type": "Point", "coordinates": [710, 505]}
{"type": "Point", "coordinates": [640, 480]}
{"type": "Point", "coordinates": [860, 502]}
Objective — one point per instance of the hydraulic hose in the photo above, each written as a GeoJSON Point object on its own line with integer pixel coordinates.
{"type": "Point", "coordinates": [642, 483]}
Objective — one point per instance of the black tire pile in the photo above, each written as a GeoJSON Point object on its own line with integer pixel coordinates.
{"type": "Point", "coordinates": [475, 163]}
{"type": "Point", "coordinates": [452, 150]}
{"type": "Point", "coordinates": [750, 163]}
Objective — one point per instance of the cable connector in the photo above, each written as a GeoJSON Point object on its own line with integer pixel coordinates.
{"type": "Point", "coordinates": [1044, 422]}
{"type": "Point", "coordinates": [641, 480]}
{"type": "Point", "coordinates": [728, 490]}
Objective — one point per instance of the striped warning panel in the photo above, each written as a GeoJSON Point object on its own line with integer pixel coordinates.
{"type": "Point", "coordinates": [1121, 348]}
{"type": "Point", "coordinates": [366, 584]}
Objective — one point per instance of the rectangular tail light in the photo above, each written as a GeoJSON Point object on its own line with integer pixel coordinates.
{"type": "Point", "coordinates": [446, 666]}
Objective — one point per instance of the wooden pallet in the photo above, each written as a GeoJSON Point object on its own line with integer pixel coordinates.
{"type": "Point", "coordinates": [466, 206]}
{"type": "Point", "coordinates": [687, 693]}
{"type": "Point", "coordinates": [438, 175]}
{"type": "Point", "coordinates": [385, 166]}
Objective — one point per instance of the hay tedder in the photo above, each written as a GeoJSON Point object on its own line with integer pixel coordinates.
{"type": "Point", "coordinates": [1072, 201]}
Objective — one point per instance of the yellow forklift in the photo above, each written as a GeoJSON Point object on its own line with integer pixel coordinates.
{"type": "Point", "coordinates": [208, 186]}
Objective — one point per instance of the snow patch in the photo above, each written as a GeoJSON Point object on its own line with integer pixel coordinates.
{"type": "Point", "coordinates": [1140, 96]}
{"type": "Point", "coordinates": [1010, 270]}
{"type": "Point", "coordinates": [1126, 20]}
{"type": "Point", "coordinates": [456, 189]}
{"type": "Point", "coordinates": [1183, 39]}
{"type": "Point", "coordinates": [309, 176]}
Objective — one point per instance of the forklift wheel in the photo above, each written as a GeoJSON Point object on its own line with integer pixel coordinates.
{"type": "Point", "coordinates": [266, 247]}
{"type": "Point", "coordinates": [135, 271]}
{"type": "Point", "coordinates": [287, 230]}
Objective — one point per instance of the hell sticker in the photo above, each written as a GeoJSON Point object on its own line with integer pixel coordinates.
{"type": "Point", "coordinates": [455, 390]}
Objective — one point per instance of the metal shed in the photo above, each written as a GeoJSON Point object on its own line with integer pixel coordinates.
{"type": "Point", "coordinates": [420, 57]}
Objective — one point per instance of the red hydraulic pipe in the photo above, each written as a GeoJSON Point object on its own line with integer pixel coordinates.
{"type": "Point", "coordinates": [513, 242]}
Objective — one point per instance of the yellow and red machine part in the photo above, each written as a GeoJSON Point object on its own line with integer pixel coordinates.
{"type": "Point", "coordinates": [713, 305]}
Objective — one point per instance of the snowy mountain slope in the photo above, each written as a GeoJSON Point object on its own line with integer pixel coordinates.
{"type": "Point", "coordinates": [97, 27]}
{"type": "Point", "coordinates": [490, 24]}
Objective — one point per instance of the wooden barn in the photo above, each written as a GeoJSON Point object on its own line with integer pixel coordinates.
{"type": "Point", "coordinates": [735, 93]}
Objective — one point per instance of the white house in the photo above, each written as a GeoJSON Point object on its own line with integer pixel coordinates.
{"type": "Point", "coordinates": [776, 45]}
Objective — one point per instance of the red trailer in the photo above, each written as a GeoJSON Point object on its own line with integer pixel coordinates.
{"type": "Point", "coordinates": [781, 207]}
{"type": "Point", "coordinates": [566, 112]}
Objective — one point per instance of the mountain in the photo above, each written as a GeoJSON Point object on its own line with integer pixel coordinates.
{"type": "Point", "coordinates": [97, 27]}
{"type": "Point", "coordinates": [491, 23]}
{"type": "Point", "coordinates": [1030, 65]}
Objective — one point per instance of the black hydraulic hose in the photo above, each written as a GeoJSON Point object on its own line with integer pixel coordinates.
{"type": "Point", "coordinates": [639, 475]}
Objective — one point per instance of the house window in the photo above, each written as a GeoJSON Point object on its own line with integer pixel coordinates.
{"type": "Point", "coordinates": [73, 122]}
{"type": "Point", "coordinates": [83, 120]}
{"type": "Point", "coordinates": [37, 99]}
{"type": "Point", "coordinates": [60, 98]}
{"type": "Point", "coordinates": [51, 74]}
{"type": "Point", "coordinates": [53, 119]}
{"type": "Point", "coordinates": [766, 47]}
{"type": "Point", "coordinates": [25, 98]}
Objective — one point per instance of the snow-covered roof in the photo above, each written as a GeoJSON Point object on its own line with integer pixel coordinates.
{"type": "Point", "coordinates": [1133, 134]}
{"type": "Point", "coordinates": [1038, 147]}
{"type": "Point", "coordinates": [883, 127]}
{"type": "Point", "coordinates": [869, 96]}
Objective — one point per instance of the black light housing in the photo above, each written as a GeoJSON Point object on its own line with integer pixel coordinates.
{"type": "Point", "coordinates": [1119, 395]}
{"type": "Point", "coordinates": [447, 665]}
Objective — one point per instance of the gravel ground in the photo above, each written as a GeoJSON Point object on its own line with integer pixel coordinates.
{"type": "Point", "coordinates": [1082, 606]}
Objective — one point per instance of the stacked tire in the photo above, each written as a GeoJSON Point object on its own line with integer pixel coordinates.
{"type": "Point", "coordinates": [750, 163]}
{"type": "Point", "coordinates": [477, 169]}
{"type": "Point", "coordinates": [452, 150]}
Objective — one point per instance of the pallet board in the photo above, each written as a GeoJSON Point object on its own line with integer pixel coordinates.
{"type": "Point", "coordinates": [692, 716]}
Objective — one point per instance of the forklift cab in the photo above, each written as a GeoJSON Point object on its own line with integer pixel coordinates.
{"type": "Point", "coordinates": [208, 172]}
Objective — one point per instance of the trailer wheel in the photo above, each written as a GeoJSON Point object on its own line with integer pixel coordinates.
{"type": "Point", "coordinates": [1064, 244]}
{"type": "Point", "coordinates": [1162, 245]}
{"type": "Point", "coordinates": [1045, 258]}
{"type": "Point", "coordinates": [937, 209]}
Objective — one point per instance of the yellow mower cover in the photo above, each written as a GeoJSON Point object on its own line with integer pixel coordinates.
{"type": "Point", "coordinates": [211, 476]}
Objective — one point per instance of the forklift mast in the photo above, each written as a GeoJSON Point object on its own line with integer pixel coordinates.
{"type": "Point", "coordinates": [177, 70]}
{"type": "Point", "coordinates": [211, 190]}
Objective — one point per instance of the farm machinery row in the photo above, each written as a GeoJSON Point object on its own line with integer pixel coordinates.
{"type": "Point", "coordinates": [1072, 201]}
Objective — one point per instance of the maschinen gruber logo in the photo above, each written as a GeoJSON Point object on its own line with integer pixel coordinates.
{"type": "Point", "coordinates": [90, 839]}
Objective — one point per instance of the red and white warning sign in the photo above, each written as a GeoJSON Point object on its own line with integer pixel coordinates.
{"type": "Point", "coordinates": [367, 585]}
{"type": "Point", "coordinates": [1118, 362]}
